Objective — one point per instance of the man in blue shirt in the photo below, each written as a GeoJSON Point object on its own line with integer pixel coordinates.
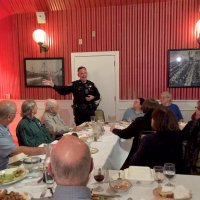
{"type": "Point", "coordinates": [166, 100]}
{"type": "Point", "coordinates": [136, 111]}
{"type": "Point", "coordinates": [7, 147]}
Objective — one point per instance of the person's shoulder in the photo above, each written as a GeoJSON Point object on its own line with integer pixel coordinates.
{"type": "Point", "coordinates": [90, 82]}
{"type": "Point", "coordinates": [173, 105]}
{"type": "Point", "coordinates": [129, 110]}
{"type": "Point", "coordinates": [75, 82]}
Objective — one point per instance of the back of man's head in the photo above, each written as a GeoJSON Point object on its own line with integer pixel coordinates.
{"type": "Point", "coordinates": [71, 162]}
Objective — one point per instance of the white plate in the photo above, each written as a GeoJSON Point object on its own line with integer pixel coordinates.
{"type": "Point", "coordinates": [10, 171]}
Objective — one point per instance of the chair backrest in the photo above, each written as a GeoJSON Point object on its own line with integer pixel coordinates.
{"type": "Point", "coordinates": [99, 115]}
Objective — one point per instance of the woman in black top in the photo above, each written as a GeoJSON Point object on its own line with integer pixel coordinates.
{"type": "Point", "coordinates": [162, 146]}
{"type": "Point", "coordinates": [136, 127]}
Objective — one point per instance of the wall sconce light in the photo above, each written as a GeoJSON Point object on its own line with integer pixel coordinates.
{"type": "Point", "coordinates": [39, 36]}
{"type": "Point", "coordinates": [198, 31]}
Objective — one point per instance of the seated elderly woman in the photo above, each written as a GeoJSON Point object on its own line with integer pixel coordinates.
{"type": "Point", "coordinates": [30, 131]}
{"type": "Point", "coordinates": [52, 120]}
{"type": "Point", "coordinates": [162, 146]}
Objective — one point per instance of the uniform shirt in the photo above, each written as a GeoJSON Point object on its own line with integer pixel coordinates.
{"type": "Point", "coordinates": [54, 124]}
{"type": "Point", "coordinates": [131, 115]}
{"type": "Point", "coordinates": [175, 109]}
{"type": "Point", "coordinates": [7, 146]}
{"type": "Point", "coordinates": [79, 90]}
{"type": "Point", "coordinates": [70, 193]}
{"type": "Point", "coordinates": [30, 132]}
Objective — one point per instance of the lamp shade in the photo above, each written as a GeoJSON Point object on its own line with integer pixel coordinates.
{"type": "Point", "coordinates": [39, 36]}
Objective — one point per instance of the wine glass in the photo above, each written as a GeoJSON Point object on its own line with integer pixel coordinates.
{"type": "Point", "coordinates": [99, 174]}
{"type": "Point", "coordinates": [90, 139]}
{"type": "Point", "coordinates": [158, 174]}
{"type": "Point", "coordinates": [169, 171]}
{"type": "Point", "coordinates": [92, 119]}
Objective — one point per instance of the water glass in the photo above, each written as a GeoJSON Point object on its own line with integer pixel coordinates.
{"type": "Point", "coordinates": [169, 171]}
{"type": "Point", "coordinates": [92, 118]}
{"type": "Point", "coordinates": [158, 174]}
{"type": "Point", "coordinates": [48, 179]}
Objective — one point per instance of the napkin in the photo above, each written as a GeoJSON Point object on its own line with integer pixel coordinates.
{"type": "Point", "coordinates": [138, 173]}
{"type": "Point", "coordinates": [180, 192]}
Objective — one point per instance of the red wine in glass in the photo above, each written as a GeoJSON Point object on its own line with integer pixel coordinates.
{"type": "Point", "coordinates": [98, 174]}
{"type": "Point", "coordinates": [99, 177]}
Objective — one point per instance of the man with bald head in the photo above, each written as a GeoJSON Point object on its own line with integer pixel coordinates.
{"type": "Point", "coordinates": [71, 164]}
{"type": "Point", "coordinates": [7, 147]}
{"type": "Point", "coordinates": [52, 120]}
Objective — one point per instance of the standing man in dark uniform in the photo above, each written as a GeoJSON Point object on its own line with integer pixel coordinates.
{"type": "Point", "coordinates": [85, 94]}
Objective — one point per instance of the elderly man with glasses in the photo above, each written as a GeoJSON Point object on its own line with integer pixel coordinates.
{"type": "Point", "coordinates": [166, 100]}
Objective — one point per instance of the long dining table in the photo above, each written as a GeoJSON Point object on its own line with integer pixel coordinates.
{"type": "Point", "coordinates": [111, 154]}
{"type": "Point", "coordinates": [138, 191]}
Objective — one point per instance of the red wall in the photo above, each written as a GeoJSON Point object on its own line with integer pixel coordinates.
{"type": "Point", "coordinates": [9, 59]}
{"type": "Point", "coordinates": [142, 33]}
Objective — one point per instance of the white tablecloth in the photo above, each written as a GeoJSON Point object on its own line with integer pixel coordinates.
{"type": "Point", "coordinates": [112, 151]}
{"type": "Point", "coordinates": [139, 191]}
{"type": "Point", "coordinates": [144, 190]}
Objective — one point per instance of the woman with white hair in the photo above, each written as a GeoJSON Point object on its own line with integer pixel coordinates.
{"type": "Point", "coordinates": [166, 100]}
{"type": "Point", "coordinates": [30, 131]}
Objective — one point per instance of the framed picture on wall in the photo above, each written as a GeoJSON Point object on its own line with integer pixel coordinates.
{"type": "Point", "coordinates": [37, 69]}
{"type": "Point", "coordinates": [184, 67]}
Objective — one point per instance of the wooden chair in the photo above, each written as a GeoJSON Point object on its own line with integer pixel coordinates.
{"type": "Point", "coordinates": [99, 115]}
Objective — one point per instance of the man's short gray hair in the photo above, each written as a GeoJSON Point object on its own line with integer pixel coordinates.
{"type": "Point", "coordinates": [73, 172]}
{"type": "Point", "coordinates": [6, 107]}
{"type": "Point", "coordinates": [27, 107]}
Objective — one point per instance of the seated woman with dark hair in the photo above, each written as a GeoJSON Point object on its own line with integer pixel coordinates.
{"type": "Point", "coordinates": [30, 131]}
{"type": "Point", "coordinates": [135, 111]}
{"type": "Point", "coordinates": [162, 146]}
{"type": "Point", "coordinates": [136, 127]}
